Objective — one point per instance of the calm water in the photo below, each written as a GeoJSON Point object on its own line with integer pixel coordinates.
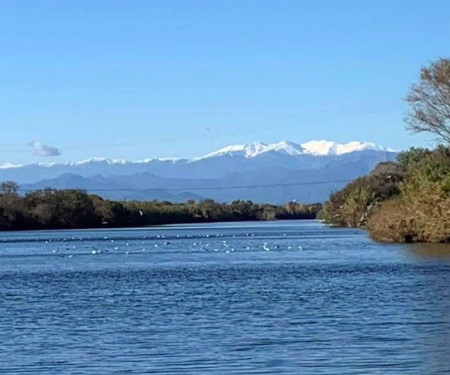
{"type": "Point", "coordinates": [238, 298]}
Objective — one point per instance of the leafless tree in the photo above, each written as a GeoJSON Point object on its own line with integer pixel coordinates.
{"type": "Point", "coordinates": [429, 101]}
{"type": "Point", "coordinates": [9, 187]}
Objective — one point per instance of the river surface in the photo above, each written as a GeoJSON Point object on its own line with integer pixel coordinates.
{"type": "Point", "coordinates": [287, 297]}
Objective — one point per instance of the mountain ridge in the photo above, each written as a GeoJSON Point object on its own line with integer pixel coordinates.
{"type": "Point", "coordinates": [274, 173]}
{"type": "Point", "coordinates": [315, 147]}
{"type": "Point", "coordinates": [250, 150]}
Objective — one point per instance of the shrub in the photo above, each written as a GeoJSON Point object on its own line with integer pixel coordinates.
{"type": "Point", "coordinates": [392, 221]}
{"type": "Point", "coordinates": [404, 201]}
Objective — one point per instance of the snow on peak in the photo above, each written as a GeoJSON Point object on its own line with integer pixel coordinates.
{"type": "Point", "coordinates": [10, 166]}
{"type": "Point", "coordinates": [316, 148]}
{"type": "Point", "coordinates": [254, 149]}
{"type": "Point", "coordinates": [323, 147]}
{"type": "Point", "coordinates": [248, 150]}
{"type": "Point", "coordinates": [286, 147]}
{"type": "Point", "coordinates": [98, 160]}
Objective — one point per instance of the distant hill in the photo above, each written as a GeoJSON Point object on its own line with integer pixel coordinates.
{"type": "Point", "coordinates": [274, 173]}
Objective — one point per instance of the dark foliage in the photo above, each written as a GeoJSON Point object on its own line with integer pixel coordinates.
{"type": "Point", "coordinates": [352, 205]}
{"type": "Point", "coordinates": [71, 208]}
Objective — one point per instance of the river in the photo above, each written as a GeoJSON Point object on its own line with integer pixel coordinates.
{"type": "Point", "coordinates": [286, 297]}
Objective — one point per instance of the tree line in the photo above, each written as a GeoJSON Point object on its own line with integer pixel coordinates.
{"type": "Point", "coordinates": [73, 208]}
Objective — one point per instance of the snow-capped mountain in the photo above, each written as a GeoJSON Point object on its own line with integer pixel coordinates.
{"type": "Point", "coordinates": [218, 174]}
{"type": "Point", "coordinates": [248, 150]}
{"type": "Point", "coordinates": [255, 149]}
{"type": "Point", "coordinates": [327, 148]}
{"type": "Point", "coordinates": [316, 148]}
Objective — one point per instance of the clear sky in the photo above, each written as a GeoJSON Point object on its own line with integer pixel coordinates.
{"type": "Point", "coordinates": [147, 78]}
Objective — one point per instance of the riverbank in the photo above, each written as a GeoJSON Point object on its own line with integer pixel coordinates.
{"type": "Point", "coordinates": [405, 201]}
{"type": "Point", "coordinates": [76, 209]}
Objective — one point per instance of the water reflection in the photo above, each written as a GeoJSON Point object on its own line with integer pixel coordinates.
{"type": "Point", "coordinates": [431, 305]}
{"type": "Point", "coordinates": [431, 250]}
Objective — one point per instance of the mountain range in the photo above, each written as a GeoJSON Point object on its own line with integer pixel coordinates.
{"type": "Point", "coordinates": [274, 173]}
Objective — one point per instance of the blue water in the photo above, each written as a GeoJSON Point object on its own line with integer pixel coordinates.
{"type": "Point", "coordinates": [236, 298]}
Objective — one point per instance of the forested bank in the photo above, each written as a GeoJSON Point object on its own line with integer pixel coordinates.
{"type": "Point", "coordinates": [58, 209]}
{"type": "Point", "coordinates": [406, 201]}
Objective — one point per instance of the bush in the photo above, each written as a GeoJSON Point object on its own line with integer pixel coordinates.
{"type": "Point", "coordinates": [352, 205]}
{"type": "Point", "coordinates": [392, 221]}
{"type": "Point", "coordinates": [404, 201]}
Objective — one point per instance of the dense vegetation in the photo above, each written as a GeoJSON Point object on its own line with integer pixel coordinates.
{"type": "Point", "coordinates": [400, 202]}
{"type": "Point", "coordinates": [49, 208]}
{"type": "Point", "coordinates": [408, 200]}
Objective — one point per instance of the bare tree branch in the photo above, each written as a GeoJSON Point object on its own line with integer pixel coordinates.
{"type": "Point", "coordinates": [429, 101]}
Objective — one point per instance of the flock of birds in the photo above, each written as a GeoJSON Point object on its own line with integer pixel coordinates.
{"type": "Point", "coordinates": [206, 242]}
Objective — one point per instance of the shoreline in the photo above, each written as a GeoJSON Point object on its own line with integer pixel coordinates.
{"type": "Point", "coordinates": [105, 227]}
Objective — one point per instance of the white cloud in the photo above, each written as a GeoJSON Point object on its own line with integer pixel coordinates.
{"type": "Point", "coordinates": [40, 149]}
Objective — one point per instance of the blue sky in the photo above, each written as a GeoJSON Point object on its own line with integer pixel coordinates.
{"type": "Point", "coordinates": [138, 79]}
